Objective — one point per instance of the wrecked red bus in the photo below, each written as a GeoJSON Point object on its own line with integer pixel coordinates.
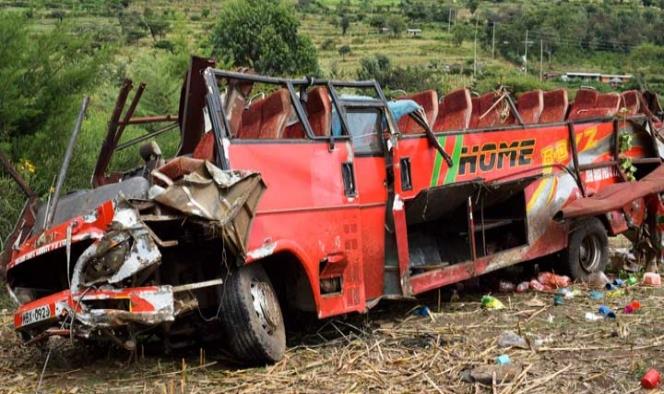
{"type": "Point", "coordinates": [325, 196]}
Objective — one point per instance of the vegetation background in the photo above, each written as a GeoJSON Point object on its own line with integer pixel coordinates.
{"type": "Point", "coordinates": [54, 52]}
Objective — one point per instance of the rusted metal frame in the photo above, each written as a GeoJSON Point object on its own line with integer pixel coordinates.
{"type": "Point", "coordinates": [129, 113]}
{"type": "Point", "coordinates": [150, 119]}
{"type": "Point", "coordinates": [296, 82]}
{"type": "Point", "coordinates": [575, 156]}
{"type": "Point", "coordinates": [220, 126]}
{"type": "Point", "coordinates": [403, 253]}
{"type": "Point", "coordinates": [107, 147]}
{"type": "Point", "coordinates": [592, 166]}
{"type": "Point", "coordinates": [514, 110]}
{"type": "Point", "coordinates": [65, 162]}
{"type": "Point", "coordinates": [6, 163]}
{"type": "Point", "coordinates": [144, 137]}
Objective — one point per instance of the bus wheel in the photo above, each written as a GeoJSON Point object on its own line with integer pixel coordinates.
{"type": "Point", "coordinates": [251, 317]}
{"type": "Point", "coordinates": [587, 250]}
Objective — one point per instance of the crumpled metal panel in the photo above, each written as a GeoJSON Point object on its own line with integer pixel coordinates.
{"type": "Point", "coordinates": [151, 306]}
{"type": "Point", "coordinates": [615, 196]}
{"type": "Point", "coordinates": [111, 259]}
{"type": "Point", "coordinates": [226, 198]}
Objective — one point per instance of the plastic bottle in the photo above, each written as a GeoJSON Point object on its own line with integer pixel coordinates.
{"type": "Point", "coordinates": [512, 339]}
{"type": "Point", "coordinates": [632, 307]}
{"type": "Point", "coordinates": [490, 302]}
{"type": "Point", "coordinates": [503, 359]}
{"type": "Point", "coordinates": [651, 379]}
{"type": "Point", "coordinates": [606, 312]}
{"type": "Point", "coordinates": [522, 287]}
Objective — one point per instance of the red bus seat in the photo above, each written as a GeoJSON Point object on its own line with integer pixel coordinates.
{"type": "Point", "coordinates": [606, 104]}
{"type": "Point", "coordinates": [205, 148]}
{"type": "Point", "coordinates": [481, 105]}
{"type": "Point", "coordinates": [428, 100]}
{"type": "Point", "coordinates": [454, 111]}
{"type": "Point", "coordinates": [630, 101]}
{"type": "Point", "coordinates": [583, 102]}
{"type": "Point", "coordinates": [555, 106]}
{"type": "Point", "coordinates": [530, 105]}
{"type": "Point", "coordinates": [266, 118]}
{"type": "Point", "coordinates": [319, 114]}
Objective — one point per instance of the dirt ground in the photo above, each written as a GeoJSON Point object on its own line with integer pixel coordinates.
{"type": "Point", "coordinates": [393, 348]}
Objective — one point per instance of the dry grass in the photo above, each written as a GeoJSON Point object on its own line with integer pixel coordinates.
{"type": "Point", "coordinates": [391, 349]}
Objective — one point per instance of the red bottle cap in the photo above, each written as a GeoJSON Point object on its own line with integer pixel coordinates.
{"type": "Point", "coordinates": [635, 304]}
{"type": "Point", "coordinates": [651, 379]}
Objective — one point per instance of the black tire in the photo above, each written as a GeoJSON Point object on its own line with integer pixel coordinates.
{"type": "Point", "coordinates": [587, 249]}
{"type": "Point", "coordinates": [251, 317]}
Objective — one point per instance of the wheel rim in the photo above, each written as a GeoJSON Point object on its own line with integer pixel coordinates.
{"type": "Point", "coordinates": [265, 305]}
{"type": "Point", "coordinates": [590, 253]}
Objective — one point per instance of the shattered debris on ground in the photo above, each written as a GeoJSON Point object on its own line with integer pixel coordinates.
{"type": "Point", "coordinates": [454, 347]}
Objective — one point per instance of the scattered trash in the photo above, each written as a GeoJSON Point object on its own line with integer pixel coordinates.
{"type": "Point", "coordinates": [534, 302]}
{"type": "Point", "coordinates": [596, 295]}
{"type": "Point", "coordinates": [558, 299]}
{"type": "Point", "coordinates": [615, 293]}
{"type": "Point", "coordinates": [633, 306]}
{"type": "Point", "coordinates": [522, 287]}
{"type": "Point", "coordinates": [590, 316]}
{"type": "Point", "coordinates": [631, 281]}
{"type": "Point", "coordinates": [607, 312]}
{"type": "Point", "coordinates": [505, 286]}
{"type": "Point", "coordinates": [503, 359]}
{"type": "Point", "coordinates": [610, 286]}
{"type": "Point", "coordinates": [618, 282]}
{"type": "Point", "coordinates": [485, 374]}
{"type": "Point", "coordinates": [597, 280]}
{"type": "Point", "coordinates": [652, 279]}
{"type": "Point", "coordinates": [650, 379]}
{"type": "Point", "coordinates": [512, 339]}
{"type": "Point", "coordinates": [552, 280]}
{"type": "Point", "coordinates": [567, 293]}
{"type": "Point", "coordinates": [489, 302]}
{"type": "Point", "coordinates": [536, 285]}
{"type": "Point", "coordinates": [422, 311]}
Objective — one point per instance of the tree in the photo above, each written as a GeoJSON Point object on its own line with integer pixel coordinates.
{"type": "Point", "coordinates": [343, 51]}
{"type": "Point", "coordinates": [32, 95]}
{"type": "Point", "coordinates": [411, 78]}
{"type": "Point", "coordinates": [378, 22]}
{"type": "Point", "coordinates": [39, 104]}
{"type": "Point", "coordinates": [157, 26]}
{"type": "Point", "coordinates": [472, 5]}
{"type": "Point", "coordinates": [396, 24]}
{"type": "Point", "coordinates": [345, 24]}
{"type": "Point", "coordinates": [133, 26]}
{"type": "Point", "coordinates": [263, 34]}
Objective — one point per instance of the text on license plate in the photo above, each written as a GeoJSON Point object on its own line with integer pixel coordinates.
{"type": "Point", "coordinates": [35, 315]}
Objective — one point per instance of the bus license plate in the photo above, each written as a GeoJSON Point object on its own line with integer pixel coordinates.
{"type": "Point", "coordinates": [36, 315]}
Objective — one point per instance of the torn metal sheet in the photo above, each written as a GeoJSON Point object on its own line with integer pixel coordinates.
{"type": "Point", "coordinates": [227, 198]}
{"type": "Point", "coordinates": [122, 252]}
{"type": "Point", "coordinates": [148, 306]}
{"type": "Point", "coordinates": [615, 196]}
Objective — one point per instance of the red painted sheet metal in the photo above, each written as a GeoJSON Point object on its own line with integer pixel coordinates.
{"type": "Point", "coordinates": [616, 196]}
